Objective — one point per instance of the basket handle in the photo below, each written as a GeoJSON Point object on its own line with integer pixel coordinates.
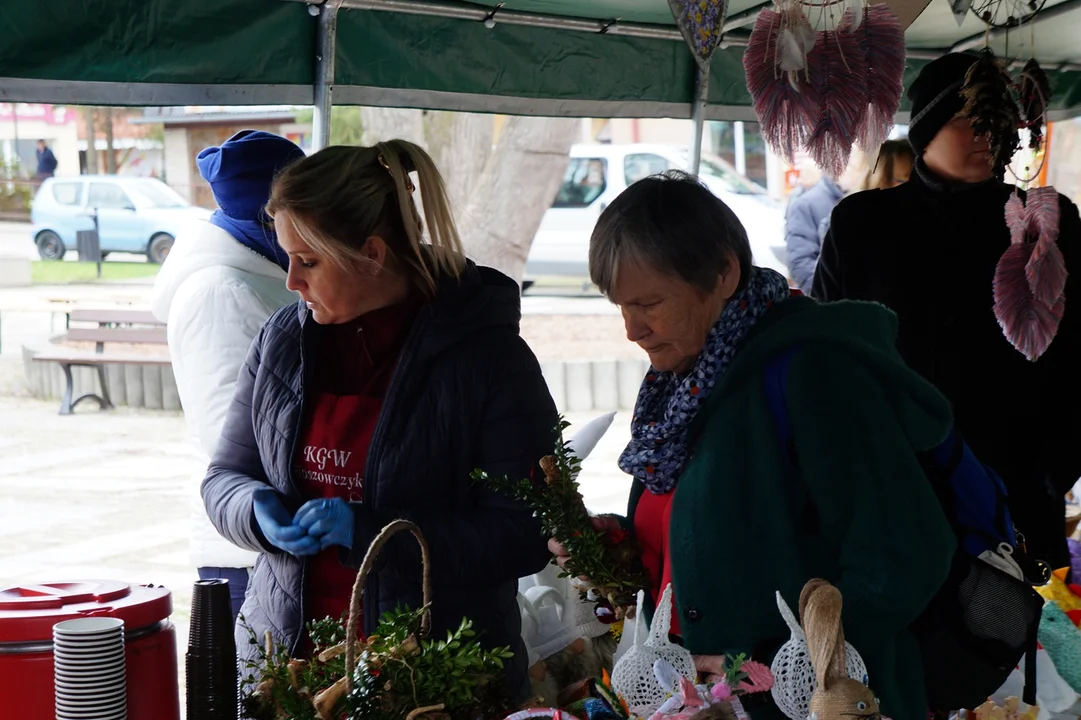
{"type": "Point", "coordinates": [370, 557]}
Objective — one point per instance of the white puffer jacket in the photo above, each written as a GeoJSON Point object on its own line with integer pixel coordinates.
{"type": "Point", "coordinates": [214, 294]}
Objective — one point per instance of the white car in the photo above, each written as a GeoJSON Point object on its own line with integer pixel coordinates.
{"type": "Point", "coordinates": [598, 173]}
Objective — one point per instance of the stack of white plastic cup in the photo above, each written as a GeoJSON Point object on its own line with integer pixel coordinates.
{"type": "Point", "coordinates": [88, 656]}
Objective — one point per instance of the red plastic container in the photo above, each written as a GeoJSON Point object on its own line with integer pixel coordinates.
{"type": "Point", "coordinates": [27, 616]}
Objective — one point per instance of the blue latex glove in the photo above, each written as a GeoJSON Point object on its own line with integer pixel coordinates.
{"type": "Point", "coordinates": [327, 520]}
{"type": "Point", "coordinates": [278, 527]}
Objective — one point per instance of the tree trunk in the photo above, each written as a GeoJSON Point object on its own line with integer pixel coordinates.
{"type": "Point", "coordinates": [509, 199]}
{"type": "Point", "coordinates": [110, 155]}
{"type": "Point", "coordinates": [499, 195]}
{"type": "Point", "coordinates": [460, 144]}
{"type": "Point", "coordinates": [91, 140]}
{"type": "Point", "coordinates": [382, 124]}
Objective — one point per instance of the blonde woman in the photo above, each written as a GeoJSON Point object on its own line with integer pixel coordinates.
{"type": "Point", "coordinates": [399, 372]}
{"type": "Point", "coordinates": [892, 167]}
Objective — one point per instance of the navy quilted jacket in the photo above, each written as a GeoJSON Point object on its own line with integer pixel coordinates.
{"type": "Point", "coordinates": [467, 393]}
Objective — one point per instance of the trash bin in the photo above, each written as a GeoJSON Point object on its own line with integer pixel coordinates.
{"type": "Point", "coordinates": [88, 245]}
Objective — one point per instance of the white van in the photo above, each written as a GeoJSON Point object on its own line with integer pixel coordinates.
{"type": "Point", "coordinates": [598, 173]}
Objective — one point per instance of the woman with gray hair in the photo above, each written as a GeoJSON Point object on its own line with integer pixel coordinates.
{"type": "Point", "coordinates": [729, 506]}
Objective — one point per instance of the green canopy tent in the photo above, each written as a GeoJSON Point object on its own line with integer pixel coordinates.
{"type": "Point", "coordinates": [599, 58]}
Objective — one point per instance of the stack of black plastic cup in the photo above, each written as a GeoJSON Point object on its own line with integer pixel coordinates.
{"type": "Point", "coordinates": [211, 659]}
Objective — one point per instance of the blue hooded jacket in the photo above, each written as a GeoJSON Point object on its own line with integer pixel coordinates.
{"type": "Point", "coordinates": [240, 172]}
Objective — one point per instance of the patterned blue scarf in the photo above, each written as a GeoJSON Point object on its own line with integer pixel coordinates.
{"type": "Point", "coordinates": [668, 402]}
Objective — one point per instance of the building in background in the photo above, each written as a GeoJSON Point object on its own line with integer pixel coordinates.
{"type": "Point", "coordinates": [135, 157]}
{"type": "Point", "coordinates": [135, 147]}
{"type": "Point", "coordinates": [187, 130]}
{"type": "Point", "coordinates": [23, 124]}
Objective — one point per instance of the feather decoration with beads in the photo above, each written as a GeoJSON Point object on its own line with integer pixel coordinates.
{"type": "Point", "coordinates": [1034, 91]}
{"type": "Point", "coordinates": [839, 79]}
{"type": "Point", "coordinates": [990, 106]}
{"type": "Point", "coordinates": [1046, 268]}
{"type": "Point", "coordinates": [784, 101]}
{"type": "Point", "coordinates": [1030, 278]}
{"type": "Point", "coordinates": [882, 40]}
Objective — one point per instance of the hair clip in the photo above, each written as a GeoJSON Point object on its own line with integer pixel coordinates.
{"type": "Point", "coordinates": [408, 180]}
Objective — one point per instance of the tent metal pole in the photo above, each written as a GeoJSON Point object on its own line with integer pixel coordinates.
{"type": "Point", "coordinates": [698, 115]}
{"type": "Point", "coordinates": [479, 13]}
{"type": "Point", "coordinates": [324, 74]}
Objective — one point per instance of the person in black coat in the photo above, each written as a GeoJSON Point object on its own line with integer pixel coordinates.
{"type": "Point", "coordinates": [928, 250]}
{"type": "Point", "coordinates": [46, 161]}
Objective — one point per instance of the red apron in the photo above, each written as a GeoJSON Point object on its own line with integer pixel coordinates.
{"type": "Point", "coordinates": [330, 464]}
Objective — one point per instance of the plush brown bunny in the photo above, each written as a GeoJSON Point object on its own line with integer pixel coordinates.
{"type": "Point", "coordinates": [837, 697]}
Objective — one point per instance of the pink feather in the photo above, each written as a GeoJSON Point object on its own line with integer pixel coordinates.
{"type": "Point", "coordinates": [759, 677]}
{"type": "Point", "coordinates": [1046, 268]}
{"type": "Point", "coordinates": [690, 694]}
{"type": "Point", "coordinates": [839, 78]}
{"type": "Point", "coordinates": [1016, 218]}
{"type": "Point", "coordinates": [785, 103]}
{"type": "Point", "coordinates": [882, 40]}
{"type": "Point", "coordinates": [1028, 324]}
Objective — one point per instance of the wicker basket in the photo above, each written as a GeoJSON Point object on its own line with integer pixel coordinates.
{"type": "Point", "coordinates": [356, 601]}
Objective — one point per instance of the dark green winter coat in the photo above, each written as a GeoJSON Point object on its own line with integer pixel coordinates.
{"type": "Point", "coordinates": [855, 508]}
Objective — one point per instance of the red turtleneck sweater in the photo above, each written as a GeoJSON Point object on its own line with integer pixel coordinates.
{"type": "Point", "coordinates": [354, 362]}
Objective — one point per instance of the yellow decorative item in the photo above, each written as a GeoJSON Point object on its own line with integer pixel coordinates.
{"type": "Point", "coordinates": [1011, 710]}
{"type": "Point", "coordinates": [1058, 592]}
{"type": "Point", "coordinates": [616, 629]}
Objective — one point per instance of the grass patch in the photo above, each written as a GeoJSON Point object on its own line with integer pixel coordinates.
{"type": "Point", "coordinates": [52, 272]}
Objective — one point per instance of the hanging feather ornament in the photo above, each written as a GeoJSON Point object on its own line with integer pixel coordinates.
{"type": "Point", "coordinates": [882, 40]}
{"type": "Point", "coordinates": [1034, 92]}
{"type": "Point", "coordinates": [856, 7]}
{"type": "Point", "coordinates": [795, 41]}
{"type": "Point", "coordinates": [775, 62]}
{"type": "Point", "coordinates": [990, 106]}
{"type": "Point", "coordinates": [1030, 279]}
{"type": "Point", "coordinates": [838, 77]}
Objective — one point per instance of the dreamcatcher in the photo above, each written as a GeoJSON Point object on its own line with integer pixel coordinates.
{"type": "Point", "coordinates": [999, 14]}
{"type": "Point", "coordinates": [825, 85]}
{"type": "Point", "coordinates": [1004, 14]}
{"type": "Point", "coordinates": [1030, 278]}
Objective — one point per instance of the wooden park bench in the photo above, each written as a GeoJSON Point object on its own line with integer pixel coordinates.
{"type": "Point", "coordinates": [117, 326]}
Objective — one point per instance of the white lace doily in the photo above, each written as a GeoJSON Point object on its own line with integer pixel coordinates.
{"type": "Point", "coordinates": [633, 676]}
{"type": "Point", "coordinates": [793, 674]}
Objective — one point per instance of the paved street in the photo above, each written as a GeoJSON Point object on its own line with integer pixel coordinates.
{"type": "Point", "coordinates": [16, 240]}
